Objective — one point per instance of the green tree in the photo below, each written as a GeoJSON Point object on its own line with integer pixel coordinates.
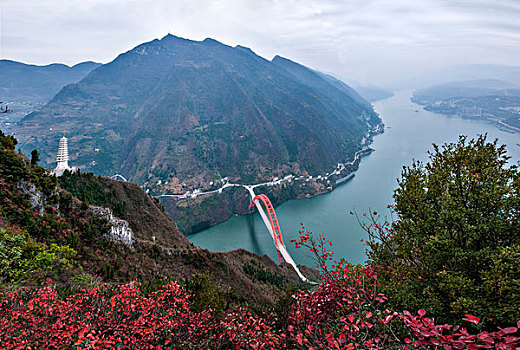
{"type": "Point", "coordinates": [11, 252]}
{"type": "Point", "coordinates": [22, 258]}
{"type": "Point", "coordinates": [205, 294]}
{"type": "Point", "coordinates": [455, 246]}
{"type": "Point", "coordinates": [35, 157]}
{"type": "Point", "coordinates": [7, 141]}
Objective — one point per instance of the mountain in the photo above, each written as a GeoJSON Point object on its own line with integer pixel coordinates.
{"type": "Point", "coordinates": [471, 88]}
{"type": "Point", "coordinates": [369, 92]}
{"type": "Point", "coordinates": [373, 93]}
{"type": "Point", "coordinates": [175, 112]}
{"type": "Point", "coordinates": [26, 87]}
{"type": "Point", "coordinates": [27, 83]}
{"type": "Point", "coordinates": [496, 100]}
{"type": "Point", "coordinates": [87, 229]}
{"type": "Point", "coordinates": [461, 73]}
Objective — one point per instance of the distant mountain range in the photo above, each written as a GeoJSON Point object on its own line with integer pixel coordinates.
{"type": "Point", "coordinates": [26, 87]}
{"type": "Point", "coordinates": [493, 99]}
{"type": "Point", "coordinates": [461, 73]}
{"type": "Point", "coordinates": [471, 88]}
{"type": "Point", "coordinates": [370, 92]}
{"type": "Point", "coordinates": [38, 84]}
{"type": "Point", "coordinates": [180, 111]}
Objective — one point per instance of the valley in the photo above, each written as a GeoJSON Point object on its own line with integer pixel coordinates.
{"type": "Point", "coordinates": [259, 175]}
{"type": "Point", "coordinates": [408, 135]}
{"type": "Point", "coordinates": [185, 119]}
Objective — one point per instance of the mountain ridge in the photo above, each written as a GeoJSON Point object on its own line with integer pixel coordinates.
{"type": "Point", "coordinates": [211, 92]}
{"type": "Point", "coordinates": [26, 87]}
{"type": "Point", "coordinates": [460, 73]}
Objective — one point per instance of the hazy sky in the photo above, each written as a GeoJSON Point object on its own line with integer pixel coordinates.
{"type": "Point", "coordinates": [368, 40]}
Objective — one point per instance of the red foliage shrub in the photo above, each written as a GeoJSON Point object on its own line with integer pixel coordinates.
{"type": "Point", "coordinates": [113, 317]}
{"type": "Point", "coordinates": [345, 311]}
{"type": "Point", "coordinates": [244, 330]}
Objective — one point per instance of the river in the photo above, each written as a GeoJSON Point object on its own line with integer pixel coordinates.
{"type": "Point", "coordinates": [409, 134]}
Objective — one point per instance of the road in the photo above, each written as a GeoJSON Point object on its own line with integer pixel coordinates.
{"type": "Point", "coordinates": [289, 178]}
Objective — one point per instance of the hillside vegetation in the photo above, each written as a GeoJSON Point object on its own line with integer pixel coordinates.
{"type": "Point", "coordinates": [175, 112]}
{"type": "Point", "coordinates": [51, 231]}
{"type": "Point", "coordinates": [450, 256]}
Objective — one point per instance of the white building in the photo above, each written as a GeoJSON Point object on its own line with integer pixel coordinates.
{"type": "Point", "coordinates": [63, 158]}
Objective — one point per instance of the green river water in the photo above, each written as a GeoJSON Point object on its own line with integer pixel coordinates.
{"type": "Point", "coordinates": [409, 133]}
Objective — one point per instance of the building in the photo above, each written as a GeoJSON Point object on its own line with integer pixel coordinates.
{"type": "Point", "coordinates": [63, 158]}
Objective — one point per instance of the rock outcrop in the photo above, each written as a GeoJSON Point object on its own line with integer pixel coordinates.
{"type": "Point", "coordinates": [119, 229]}
{"type": "Point", "coordinates": [37, 198]}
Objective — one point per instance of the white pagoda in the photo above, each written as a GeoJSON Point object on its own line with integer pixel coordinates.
{"type": "Point", "coordinates": [63, 158]}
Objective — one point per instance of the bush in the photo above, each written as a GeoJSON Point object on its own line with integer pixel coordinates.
{"type": "Point", "coordinates": [455, 247]}
{"type": "Point", "coordinates": [22, 259]}
{"type": "Point", "coordinates": [205, 294]}
{"type": "Point", "coordinates": [346, 311]}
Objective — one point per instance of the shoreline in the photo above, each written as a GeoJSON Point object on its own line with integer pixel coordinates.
{"type": "Point", "coordinates": [499, 123]}
{"type": "Point", "coordinates": [183, 206]}
{"type": "Point", "coordinates": [364, 151]}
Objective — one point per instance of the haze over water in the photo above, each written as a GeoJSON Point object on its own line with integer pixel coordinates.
{"type": "Point", "coordinates": [409, 134]}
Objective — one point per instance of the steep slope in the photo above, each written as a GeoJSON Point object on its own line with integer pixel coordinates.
{"type": "Point", "coordinates": [186, 112]}
{"type": "Point", "coordinates": [144, 214]}
{"type": "Point", "coordinates": [61, 236]}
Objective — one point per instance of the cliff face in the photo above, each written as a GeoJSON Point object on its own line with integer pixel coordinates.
{"type": "Point", "coordinates": [116, 229]}
{"type": "Point", "coordinates": [119, 230]}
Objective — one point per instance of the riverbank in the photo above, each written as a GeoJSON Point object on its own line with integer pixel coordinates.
{"type": "Point", "coordinates": [197, 210]}
{"type": "Point", "coordinates": [408, 136]}
{"type": "Point", "coordinates": [339, 170]}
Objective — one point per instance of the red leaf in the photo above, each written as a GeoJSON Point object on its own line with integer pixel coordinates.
{"type": "Point", "coordinates": [471, 318]}
{"type": "Point", "coordinates": [509, 330]}
{"type": "Point", "coordinates": [299, 338]}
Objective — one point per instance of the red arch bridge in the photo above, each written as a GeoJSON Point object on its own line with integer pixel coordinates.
{"type": "Point", "coordinates": [273, 226]}
{"type": "Point", "coordinates": [270, 219]}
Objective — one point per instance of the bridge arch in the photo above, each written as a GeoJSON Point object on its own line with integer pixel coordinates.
{"type": "Point", "coordinates": [273, 226]}
{"type": "Point", "coordinates": [114, 177]}
{"type": "Point", "coordinates": [273, 220]}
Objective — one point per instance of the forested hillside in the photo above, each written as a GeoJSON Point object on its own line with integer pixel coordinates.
{"type": "Point", "coordinates": [451, 257]}
{"type": "Point", "coordinates": [175, 112]}
{"type": "Point", "coordinates": [62, 232]}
